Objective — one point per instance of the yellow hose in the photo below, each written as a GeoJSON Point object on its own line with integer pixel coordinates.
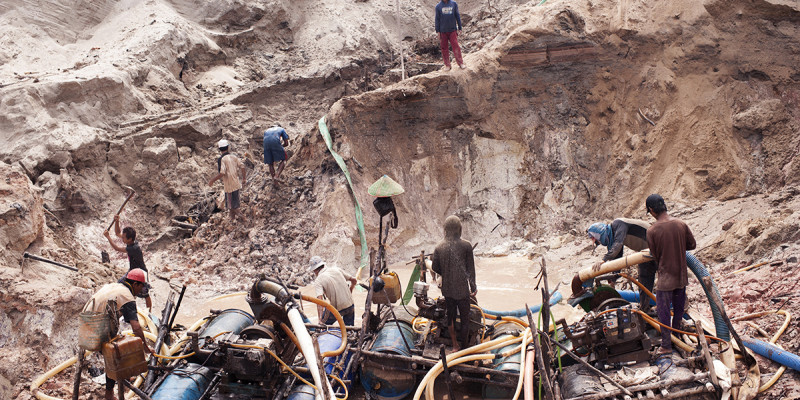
{"type": "Point", "coordinates": [508, 319]}
{"type": "Point", "coordinates": [225, 296]}
{"type": "Point", "coordinates": [429, 387]}
{"type": "Point", "coordinates": [739, 271]}
{"type": "Point", "coordinates": [49, 374]}
{"type": "Point", "coordinates": [291, 334]}
{"type": "Point", "coordinates": [458, 355]}
{"type": "Point", "coordinates": [483, 320]}
{"type": "Point", "coordinates": [70, 361]}
{"type": "Point", "coordinates": [414, 324]}
{"type": "Point", "coordinates": [148, 322]}
{"type": "Point", "coordinates": [527, 337]}
{"type": "Point", "coordinates": [787, 319]}
{"type": "Point", "coordinates": [640, 285]}
{"type": "Point", "coordinates": [346, 393]}
{"type": "Point", "coordinates": [339, 319]}
{"type": "Point", "coordinates": [173, 357]}
{"type": "Point", "coordinates": [275, 356]}
{"type": "Point", "coordinates": [177, 346]}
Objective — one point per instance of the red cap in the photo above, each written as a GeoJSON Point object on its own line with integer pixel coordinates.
{"type": "Point", "coordinates": [137, 275]}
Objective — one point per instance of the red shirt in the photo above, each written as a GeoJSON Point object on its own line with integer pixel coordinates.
{"type": "Point", "coordinates": [668, 241]}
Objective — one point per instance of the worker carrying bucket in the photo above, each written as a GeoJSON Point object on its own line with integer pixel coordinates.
{"type": "Point", "coordinates": [100, 322]}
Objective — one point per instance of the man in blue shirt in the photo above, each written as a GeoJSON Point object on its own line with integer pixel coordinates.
{"type": "Point", "coordinates": [273, 149]}
{"type": "Point", "coordinates": [448, 23]}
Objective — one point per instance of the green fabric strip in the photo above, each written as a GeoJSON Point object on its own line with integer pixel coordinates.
{"type": "Point", "coordinates": [323, 130]}
{"type": "Point", "coordinates": [410, 286]}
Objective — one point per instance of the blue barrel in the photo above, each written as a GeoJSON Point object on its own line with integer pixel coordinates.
{"type": "Point", "coordinates": [230, 320]}
{"type": "Point", "coordinates": [330, 341]}
{"type": "Point", "coordinates": [301, 392]}
{"type": "Point", "coordinates": [386, 378]}
{"type": "Point", "coordinates": [185, 383]}
{"type": "Point", "coordinates": [509, 363]}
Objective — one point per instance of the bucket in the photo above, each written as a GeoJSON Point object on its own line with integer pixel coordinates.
{"type": "Point", "coordinates": [124, 357]}
{"type": "Point", "coordinates": [94, 330]}
{"type": "Point", "coordinates": [386, 378]}
{"type": "Point", "coordinates": [509, 363]}
{"type": "Point", "coordinates": [184, 383]}
{"type": "Point", "coordinates": [391, 289]}
{"type": "Point", "coordinates": [302, 392]}
{"type": "Point", "coordinates": [231, 320]}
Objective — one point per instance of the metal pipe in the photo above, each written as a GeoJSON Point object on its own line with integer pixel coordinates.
{"type": "Point", "coordinates": [162, 333]}
{"type": "Point", "coordinates": [443, 356]}
{"type": "Point", "coordinates": [177, 306]}
{"type": "Point", "coordinates": [37, 258]}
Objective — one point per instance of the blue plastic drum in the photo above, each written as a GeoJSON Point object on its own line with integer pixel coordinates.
{"type": "Point", "coordinates": [385, 378]}
{"type": "Point", "coordinates": [185, 383]}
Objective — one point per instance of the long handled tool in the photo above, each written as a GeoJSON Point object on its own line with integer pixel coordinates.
{"type": "Point", "coordinates": [37, 258]}
{"type": "Point", "coordinates": [130, 195]}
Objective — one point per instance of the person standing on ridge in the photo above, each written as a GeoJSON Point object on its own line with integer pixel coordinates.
{"type": "Point", "coordinates": [669, 238]}
{"type": "Point", "coordinates": [230, 169]}
{"type": "Point", "coordinates": [122, 295]}
{"type": "Point", "coordinates": [332, 282]}
{"type": "Point", "coordinates": [274, 150]}
{"type": "Point", "coordinates": [135, 256]}
{"type": "Point", "coordinates": [454, 261]}
{"type": "Point", "coordinates": [448, 24]}
{"type": "Point", "coordinates": [630, 233]}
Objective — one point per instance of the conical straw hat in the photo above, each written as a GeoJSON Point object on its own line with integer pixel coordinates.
{"type": "Point", "coordinates": [385, 187]}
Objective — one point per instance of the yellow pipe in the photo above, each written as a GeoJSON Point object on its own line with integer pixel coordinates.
{"type": "Point", "coordinates": [526, 338]}
{"type": "Point", "coordinates": [740, 270]}
{"type": "Point", "coordinates": [615, 265]}
{"type": "Point", "coordinates": [339, 319]}
{"type": "Point", "coordinates": [509, 319]}
{"type": "Point", "coordinates": [275, 356]}
{"type": "Point", "coordinates": [148, 322]}
{"type": "Point", "coordinates": [291, 334]}
{"type": "Point", "coordinates": [640, 285]}
{"type": "Point", "coordinates": [346, 392]}
{"type": "Point", "coordinates": [225, 296]}
{"type": "Point", "coordinates": [787, 319]}
{"type": "Point", "coordinates": [69, 362]}
{"type": "Point", "coordinates": [49, 374]}
{"type": "Point", "coordinates": [429, 387]}
{"type": "Point", "coordinates": [459, 354]}
{"type": "Point", "coordinates": [177, 346]}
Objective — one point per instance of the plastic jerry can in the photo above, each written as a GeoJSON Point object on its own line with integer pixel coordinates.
{"type": "Point", "coordinates": [391, 289]}
{"type": "Point", "coordinates": [124, 356]}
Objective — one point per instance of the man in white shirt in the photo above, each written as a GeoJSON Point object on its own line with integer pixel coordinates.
{"type": "Point", "coordinates": [230, 169]}
{"type": "Point", "coordinates": [331, 284]}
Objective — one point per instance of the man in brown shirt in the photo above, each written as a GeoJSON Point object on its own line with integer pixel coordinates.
{"type": "Point", "coordinates": [668, 239]}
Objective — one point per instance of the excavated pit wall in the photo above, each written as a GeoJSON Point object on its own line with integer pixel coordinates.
{"type": "Point", "coordinates": [548, 125]}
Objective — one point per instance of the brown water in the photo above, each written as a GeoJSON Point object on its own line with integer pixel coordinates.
{"type": "Point", "coordinates": [504, 283]}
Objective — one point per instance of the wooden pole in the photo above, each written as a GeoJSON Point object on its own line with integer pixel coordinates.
{"type": "Point", "coordinates": [78, 368]}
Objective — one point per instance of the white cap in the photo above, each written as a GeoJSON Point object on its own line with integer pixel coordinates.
{"type": "Point", "coordinates": [314, 263]}
{"type": "Point", "coordinates": [223, 143]}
